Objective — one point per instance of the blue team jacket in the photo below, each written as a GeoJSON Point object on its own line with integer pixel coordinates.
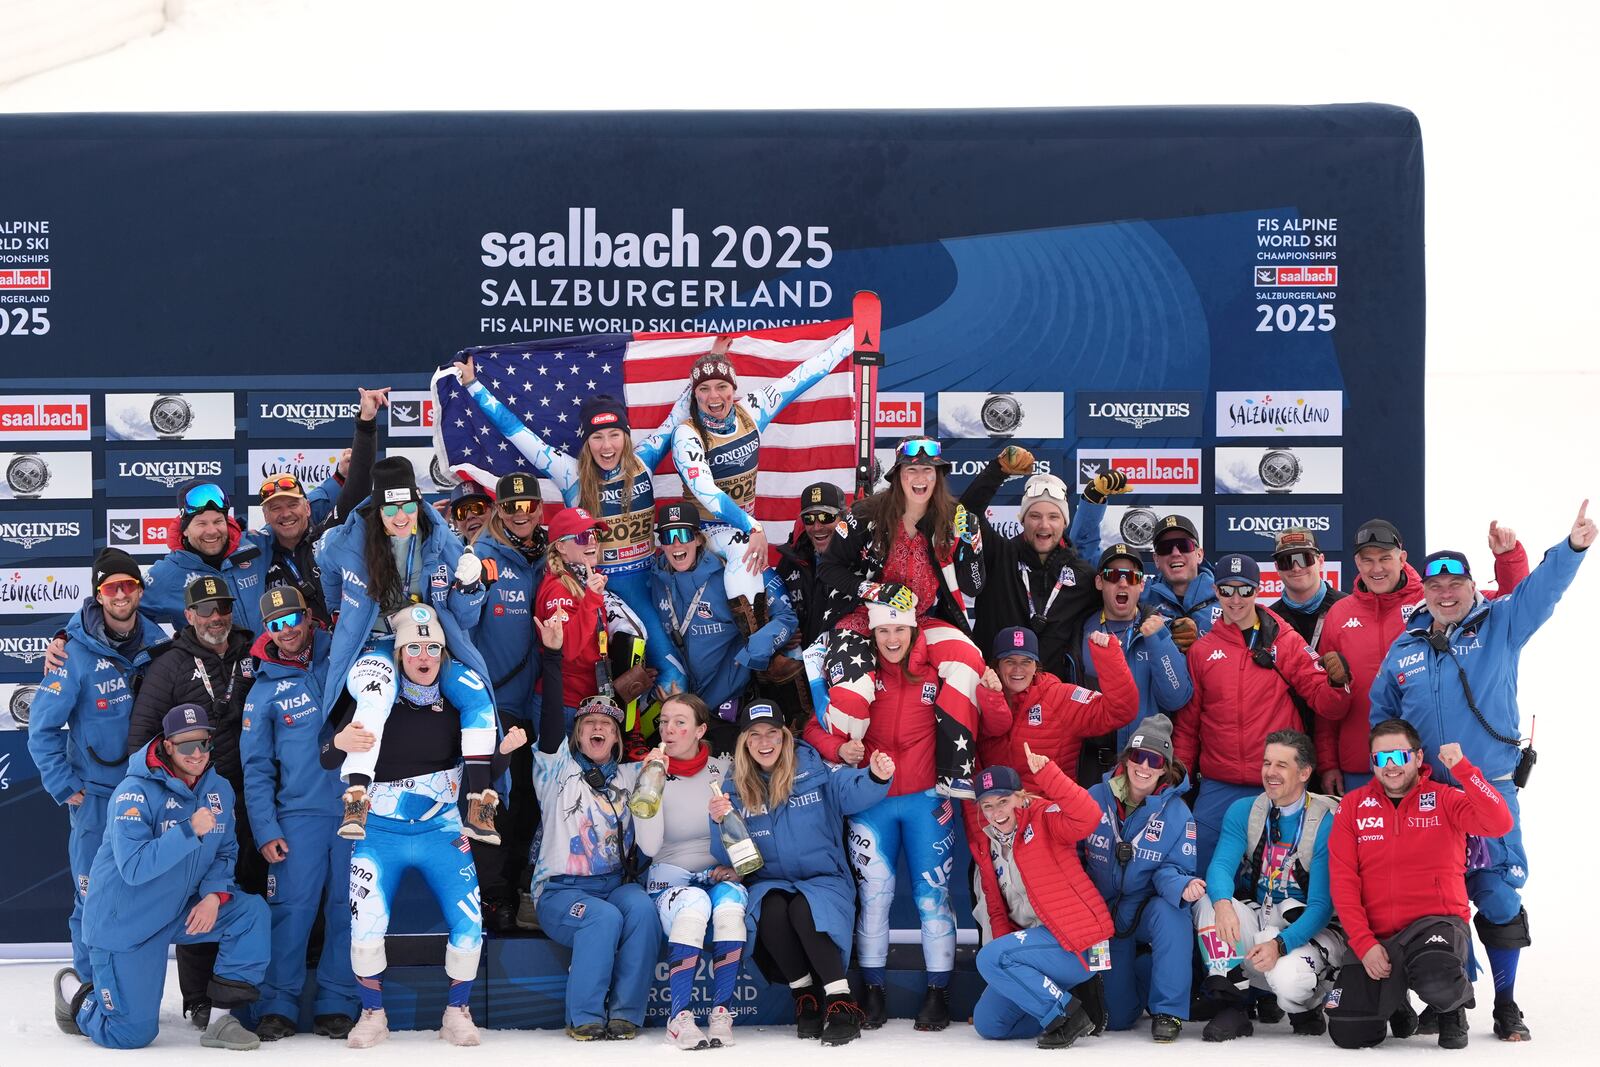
{"type": "Point", "coordinates": [801, 846]}
{"type": "Point", "coordinates": [244, 570]}
{"type": "Point", "coordinates": [1159, 670]}
{"type": "Point", "coordinates": [1199, 601]}
{"type": "Point", "coordinates": [717, 657]}
{"type": "Point", "coordinates": [92, 696]}
{"type": "Point", "coordinates": [280, 741]}
{"type": "Point", "coordinates": [151, 867]}
{"type": "Point", "coordinates": [1162, 833]}
{"type": "Point", "coordinates": [344, 588]}
{"type": "Point", "coordinates": [1423, 687]}
{"type": "Point", "coordinates": [505, 634]}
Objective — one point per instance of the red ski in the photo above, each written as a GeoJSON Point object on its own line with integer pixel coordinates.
{"type": "Point", "coordinates": [868, 357]}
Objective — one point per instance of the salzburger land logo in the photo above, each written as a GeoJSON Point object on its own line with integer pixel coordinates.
{"type": "Point", "coordinates": [35, 590]}
{"type": "Point", "coordinates": [312, 468]}
{"type": "Point", "coordinates": [1304, 414]}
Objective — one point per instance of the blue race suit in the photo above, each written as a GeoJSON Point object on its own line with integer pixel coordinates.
{"type": "Point", "coordinates": [291, 797]}
{"type": "Point", "coordinates": [91, 696]}
{"type": "Point", "coordinates": [149, 874]}
{"type": "Point", "coordinates": [1425, 688]}
{"type": "Point", "coordinates": [1145, 897]}
{"type": "Point", "coordinates": [719, 470]}
{"type": "Point", "coordinates": [628, 544]}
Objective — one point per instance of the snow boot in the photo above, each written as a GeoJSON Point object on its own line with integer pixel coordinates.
{"type": "Point", "coordinates": [807, 1014]}
{"type": "Point", "coordinates": [1453, 1028]}
{"type": "Point", "coordinates": [198, 1011]}
{"type": "Point", "coordinates": [874, 1007]}
{"type": "Point", "coordinates": [1067, 1028]}
{"type": "Point", "coordinates": [332, 1025]}
{"type": "Point", "coordinates": [1508, 1024]}
{"type": "Point", "coordinates": [1403, 1023]}
{"type": "Point", "coordinates": [68, 988]}
{"type": "Point", "coordinates": [1308, 1023]}
{"type": "Point", "coordinates": [371, 1028]}
{"type": "Point", "coordinates": [275, 1027]}
{"type": "Point", "coordinates": [587, 1032]}
{"type": "Point", "coordinates": [1266, 1010]}
{"type": "Point", "coordinates": [935, 1011]}
{"type": "Point", "coordinates": [527, 912]}
{"type": "Point", "coordinates": [479, 823]}
{"type": "Point", "coordinates": [1164, 1029]}
{"type": "Point", "coordinates": [227, 1032]}
{"type": "Point", "coordinates": [843, 1019]}
{"type": "Point", "coordinates": [354, 825]}
{"type": "Point", "coordinates": [458, 1028]}
{"type": "Point", "coordinates": [684, 1033]}
{"type": "Point", "coordinates": [621, 1030]}
{"type": "Point", "coordinates": [1428, 1022]}
{"type": "Point", "coordinates": [1231, 1021]}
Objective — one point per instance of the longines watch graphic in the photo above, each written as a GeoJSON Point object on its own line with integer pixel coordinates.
{"type": "Point", "coordinates": [171, 416]}
{"type": "Point", "coordinates": [27, 475]}
{"type": "Point", "coordinates": [22, 703]}
{"type": "Point", "coordinates": [442, 476]}
{"type": "Point", "coordinates": [1279, 470]}
{"type": "Point", "coordinates": [1000, 414]}
{"type": "Point", "coordinates": [1138, 527]}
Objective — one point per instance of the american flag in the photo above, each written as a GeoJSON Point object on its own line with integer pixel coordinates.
{"type": "Point", "coordinates": [545, 382]}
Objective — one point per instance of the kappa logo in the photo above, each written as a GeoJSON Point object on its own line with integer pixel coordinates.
{"type": "Point", "coordinates": [1436, 940]}
{"type": "Point", "coordinates": [1352, 623]}
{"type": "Point", "coordinates": [1370, 802]}
{"type": "Point", "coordinates": [1216, 655]}
{"type": "Point", "coordinates": [283, 687]}
{"type": "Point", "coordinates": [172, 802]}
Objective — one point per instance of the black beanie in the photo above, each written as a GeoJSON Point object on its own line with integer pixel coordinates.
{"type": "Point", "coordinates": [113, 561]}
{"type": "Point", "coordinates": [602, 412]}
{"type": "Point", "coordinates": [394, 481]}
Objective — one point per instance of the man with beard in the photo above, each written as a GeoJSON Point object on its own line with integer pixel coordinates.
{"type": "Point", "coordinates": [91, 695]}
{"type": "Point", "coordinates": [207, 663]}
{"type": "Point", "coordinates": [1041, 578]}
{"type": "Point", "coordinates": [821, 504]}
{"type": "Point", "coordinates": [206, 541]}
{"type": "Point", "coordinates": [1183, 589]}
{"type": "Point", "coordinates": [296, 518]}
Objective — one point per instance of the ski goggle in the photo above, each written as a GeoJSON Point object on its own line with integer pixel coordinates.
{"type": "Point", "coordinates": [1115, 575]}
{"type": "Point", "coordinates": [1293, 561]}
{"type": "Point", "coordinates": [1145, 758]}
{"type": "Point", "coordinates": [1044, 487]}
{"type": "Point", "coordinates": [469, 508]}
{"type": "Point", "coordinates": [918, 449]}
{"type": "Point", "coordinates": [391, 510]}
{"type": "Point", "coordinates": [677, 535]}
{"type": "Point", "coordinates": [1174, 544]}
{"type": "Point", "coordinates": [115, 587]}
{"type": "Point", "coordinates": [1445, 566]}
{"type": "Point", "coordinates": [209, 495]}
{"type": "Point", "coordinates": [213, 607]}
{"type": "Point", "coordinates": [517, 507]}
{"type": "Point", "coordinates": [1228, 592]}
{"type": "Point", "coordinates": [189, 748]}
{"type": "Point", "coordinates": [1391, 757]}
{"type": "Point", "coordinates": [284, 622]}
{"type": "Point", "coordinates": [282, 483]}
{"type": "Point", "coordinates": [819, 518]}
{"type": "Point", "coordinates": [583, 538]}
{"type": "Point", "coordinates": [415, 649]}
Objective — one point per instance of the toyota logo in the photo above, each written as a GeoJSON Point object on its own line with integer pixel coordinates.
{"type": "Point", "coordinates": [1001, 414]}
{"type": "Point", "coordinates": [1279, 470]}
{"type": "Point", "coordinates": [27, 475]}
{"type": "Point", "coordinates": [1138, 527]}
{"type": "Point", "coordinates": [22, 703]}
{"type": "Point", "coordinates": [170, 416]}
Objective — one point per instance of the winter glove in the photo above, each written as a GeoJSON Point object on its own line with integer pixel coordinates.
{"type": "Point", "coordinates": [1338, 670]}
{"type": "Point", "coordinates": [1014, 459]}
{"type": "Point", "coordinates": [1103, 485]}
{"type": "Point", "coordinates": [469, 569]}
{"type": "Point", "coordinates": [894, 594]}
{"type": "Point", "coordinates": [1184, 633]}
{"type": "Point", "coordinates": [968, 530]}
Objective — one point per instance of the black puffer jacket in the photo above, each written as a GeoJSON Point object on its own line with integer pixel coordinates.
{"type": "Point", "coordinates": [174, 677]}
{"type": "Point", "coordinates": [852, 559]}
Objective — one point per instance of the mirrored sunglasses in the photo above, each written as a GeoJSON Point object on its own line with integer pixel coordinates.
{"type": "Point", "coordinates": [415, 649]}
{"type": "Point", "coordinates": [1391, 757]}
{"type": "Point", "coordinates": [200, 497]}
{"type": "Point", "coordinates": [1124, 575]}
{"type": "Point", "coordinates": [1145, 758]}
{"type": "Point", "coordinates": [1444, 566]}
{"type": "Point", "coordinates": [189, 748]}
{"type": "Point", "coordinates": [469, 508]}
{"type": "Point", "coordinates": [284, 622]}
{"type": "Point", "coordinates": [282, 483]}
{"type": "Point", "coordinates": [819, 518]}
{"type": "Point", "coordinates": [1228, 592]}
{"type": "Point", "coordinates": [115, 587]}
{"type": "Point", "coordinates": [1293, 561]}
{"type": "Point", "coordinates": [208, 608]}
{"type": "Point", "coordinates": [919, 449]}
{"type": "Point", "coordinates": [1167, 546]}
{"type": "Point", "coordinates": [676, 535]}
{"type": "Point", "coordinates": [583, 538]}
{"type": "Point", "coordinates": [391, 510]}
{"type": "Point", "coordinates": [517, 507]}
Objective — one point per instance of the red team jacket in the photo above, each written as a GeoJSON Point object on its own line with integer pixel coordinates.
{"type": "Point", "coordinates": [580, 646]}
{"type": "Point", "coordinates": [1046, 854]}
{"type": "Point", "coordinates": [1390, 866]}
{"type": "Point", "coordinates": [1361, 627]}
{"type": "Point", "coordinates": [1054, 717]}
{"type": "Point", "coordinates": [1237, 703]}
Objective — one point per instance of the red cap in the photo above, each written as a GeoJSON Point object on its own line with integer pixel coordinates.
{"type": "Point", "coordinates": [570, 521]}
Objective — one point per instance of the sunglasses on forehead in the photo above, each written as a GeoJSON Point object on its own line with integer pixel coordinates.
{"type": "Point", "coordinates": [282, 483]}
{"type": "Point", "coordinates": [284, 622]}
{"type": "Point", "coordinates": [391, 510]}
{"type": "Point", "coordinates": [1126, 575]}
{"type": "Point", "coordinates": [517, 507]}
{"type": "Point", "coordinates": [1169, 545]}
{"type": "Point", "coordinates": [1293, 561]}
{"type": "Point", "coordinates": [200, 497]}
{"type": "Point", "coordinates": [1391, 757]}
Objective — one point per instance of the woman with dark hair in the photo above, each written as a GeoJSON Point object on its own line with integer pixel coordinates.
{"type": "Point", "coordinates": [802, 902]}
{"type": "Point", "coordinates": [717, 450]}
{"type": "Point", "coordinates": [609, 478]}
{"type": "Point", "coordinates": [691, 888]}
{"type": "Point", "coordinates": [1143, 863]}
{"type": "Point", "coordinates": [390, 553]}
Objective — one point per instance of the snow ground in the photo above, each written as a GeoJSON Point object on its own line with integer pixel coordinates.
{"type": "Point", "coordinates": [1513, 375]}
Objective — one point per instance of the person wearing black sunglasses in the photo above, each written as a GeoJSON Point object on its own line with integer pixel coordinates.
{"type": "Point", "coordinates": [166, 877]}
{"type": "Point", "coordinates": [1247, 672]}
{"type": "Point", "coordinates": [1183, 589]}
{"type": "Point", "coordinates": [821, 505]}
{"type": "Point", "coordinates": [1453, 673]}
{"type": "Point", "coordinates": [1402, 855]}
{"type": "Point", "coordinates": [205, 541]}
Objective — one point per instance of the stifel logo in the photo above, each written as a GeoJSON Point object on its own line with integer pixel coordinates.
{"type": "Point", "coordinates": [25, 279]}
{"type": "Point", "coordinates": [19, 415]}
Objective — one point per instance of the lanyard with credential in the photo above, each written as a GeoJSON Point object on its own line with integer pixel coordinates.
{"type": "Point", "coordinates": [1288, 856]}
{"type": "Point", "coordinates": [411, 561]}
{"type": "Point", "coordinates": [1055, 590]}
{"type": "Point", "coordinates": [680, 630]}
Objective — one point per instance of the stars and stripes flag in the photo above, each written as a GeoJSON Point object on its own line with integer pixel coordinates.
{"type": "Point", "coordinates": [544, 382]}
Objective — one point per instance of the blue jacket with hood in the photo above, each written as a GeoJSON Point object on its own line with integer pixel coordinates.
{"type": "Point", "coordinates": [1162, 833]}
{"type": "Point", "coordinates": [280, 740]}
{"type": "Point", "coordinates": [717, 657]}
{"type": "Point", "coordinates": [152, 868]}
{"type": "Point", "coordinates": [92, 695]}
{"type": "Point", "coordinates": [505, 634]}
{"type": "Point", "coordinates": [344, 587]}
{"type": "Point", "coordinates": [244, 569]}
{"type": "Point", "coordinates": [1199, 601]}
{"type": "Point", "coordinates": [1424, 687]}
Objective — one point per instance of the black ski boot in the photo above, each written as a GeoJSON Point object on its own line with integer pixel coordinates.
{"type": "Point", "coordinates": [1508, 1024]}
{"type": "Point", "coordinates": [275, 1027]}
{"type": "Point", "coordinates": [1267, 1010]}
{"type": "Point", "coordinates": [1309, 1023]}
{"type": "Point", "coordinates": [198, 1011]}
{"type": "Point", "coordinates": [1164, 1029]}
{"type": "Point", "coordinates": [807, 1014]}
{"type": "Point", "coordinates": [842, 1020]}
{"type": "Point", "coordinates": [1428, 1022]}
{"type": "Point", "coordinates": [1453, 1028]}
{"type": "Point", "coordinates": [1067, 1029]}
{"type": "Point", "coordinates": [333, 1025]}
{"type": "Point", "coordinates": [1403, 1023]}
{"type": "Point", "coordinates": [935, 1011]}
{"type": "Point", "coordinates": [874, 1007]}
{"type": "Point", "coordinates": [1231, 1021]}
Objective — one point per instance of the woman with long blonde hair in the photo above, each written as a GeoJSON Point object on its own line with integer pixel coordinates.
{"type": "Point", "coordinates": [801, 915]}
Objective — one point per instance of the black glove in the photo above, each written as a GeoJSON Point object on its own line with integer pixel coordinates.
{"type": "Point", "coordinates": [1103, 485]}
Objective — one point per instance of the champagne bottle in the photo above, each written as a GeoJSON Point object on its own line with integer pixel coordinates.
{"type": "Point", "coordinates": [646, 798]}
{"type": "Point", "coordinates": [742, 850]}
